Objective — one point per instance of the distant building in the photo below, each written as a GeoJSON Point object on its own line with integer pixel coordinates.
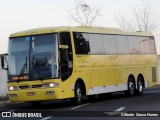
{"type": "Point", "coordinates": [3, 82]}
{"type": "Point", "coordinates": [159, 67]}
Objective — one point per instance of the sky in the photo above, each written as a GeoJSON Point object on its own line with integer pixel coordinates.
{"type": "Point", "coordinates": [18, 15]}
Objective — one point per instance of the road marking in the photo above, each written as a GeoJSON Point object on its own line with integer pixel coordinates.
{"type": "Point", "coordinates": [112, 113]}
{"type": "Point", "coordinates": [79, 106]}
{"type": "Point", "coordinates": [120, 109]}
{"type": "Point", "coordinates": [116, 112]}
{"type": "Point", "coordinates": [46, 118]}
{"type": "Point", "coordinates": [11, 110]}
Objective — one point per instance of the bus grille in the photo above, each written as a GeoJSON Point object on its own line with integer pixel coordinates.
{"type": "Point", "coordinates": [32, 86]}
{"type": "Point", "coordinates": [24, 87]}
{"type": "Point", "coordinates": [37, 86]}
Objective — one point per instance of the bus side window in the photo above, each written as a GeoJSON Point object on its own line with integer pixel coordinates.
{"type": "Point", "coordinates": [81, 43]}
{"type": "Point", "coordinates": [145, 45]}
{"type": "Point", "coordinates": [152, 45]}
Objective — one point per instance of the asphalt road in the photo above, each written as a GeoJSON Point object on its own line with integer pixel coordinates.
{"type": "Point", "coordinates": [117, 107]}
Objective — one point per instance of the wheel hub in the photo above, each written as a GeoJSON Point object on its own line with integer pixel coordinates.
{"type": "Point", "coordinates": [140, 86]}
{"type": "Point", "coordinates": [131, 87]}
{"type": "Point", "coordinates": [79, 94]}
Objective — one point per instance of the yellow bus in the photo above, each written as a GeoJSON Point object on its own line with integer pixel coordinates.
{"type": "Point", "coordinates": [75, 62]}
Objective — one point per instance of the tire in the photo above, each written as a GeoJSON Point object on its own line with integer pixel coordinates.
{"type": "Point", "coordinates": [77, 94]}
{"type": "Point", "coordinates": [140, 87]}
{"type": "Point", "coordinates": [131, 87]}
{"type": "Point", "coordinates": [35, 103]}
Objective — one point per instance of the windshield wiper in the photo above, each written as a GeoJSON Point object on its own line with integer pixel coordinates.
{"type": "Point", "coordinates": [24, 67]}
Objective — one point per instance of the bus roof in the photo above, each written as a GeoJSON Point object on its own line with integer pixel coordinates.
{"type": "Point", "coordinates": [79, 29]}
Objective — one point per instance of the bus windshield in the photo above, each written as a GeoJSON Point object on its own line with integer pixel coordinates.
{"type": "Point", "coordinates": [33, 57]}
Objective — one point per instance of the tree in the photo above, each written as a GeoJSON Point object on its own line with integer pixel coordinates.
{"type": "Point", "coordinates": [142, 18]}
{"type": "Point", "coordinates": [124, 23]}
{"type": "Point", "coordinates": [83, 13]}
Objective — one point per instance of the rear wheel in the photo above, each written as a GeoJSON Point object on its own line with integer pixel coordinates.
{"type": "Point", "coordinates": [131, 87]}
{"type": "Point", "coordinates": [139, 90]}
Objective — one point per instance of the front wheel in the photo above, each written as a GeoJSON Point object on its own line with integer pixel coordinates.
{"type": "Point", "coordinates": [78, 94]}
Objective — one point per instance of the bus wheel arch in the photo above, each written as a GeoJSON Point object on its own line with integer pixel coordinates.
{"type": "Point", "coordinates": [131, 86]}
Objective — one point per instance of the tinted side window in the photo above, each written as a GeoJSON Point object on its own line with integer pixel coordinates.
{"type": "Point", "coordinates": [145, 45]}
{"type": "Point", "coordinates": [152, 45]}
{"type": "Point", "coordinates": [134, 44]}
{"type": "Point", "coordinates": [110, 44]}
{"type": "Point", "coordinates": [96, 44]}
{"type": "Point", "coordinates": [122, 44]}
{"type": "Point", "coordinates": [81, 43]}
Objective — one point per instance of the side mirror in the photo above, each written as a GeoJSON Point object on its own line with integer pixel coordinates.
{"type": "Point", "coordinates": [4, 61]}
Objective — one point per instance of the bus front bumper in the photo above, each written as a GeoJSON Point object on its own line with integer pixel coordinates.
{"type": "Point", "coordinates": [35, 95]}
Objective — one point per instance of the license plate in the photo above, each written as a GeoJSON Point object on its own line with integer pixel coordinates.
{"type": "Point", "coordinates": [31, 93]}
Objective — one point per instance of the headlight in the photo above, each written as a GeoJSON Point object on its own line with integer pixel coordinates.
{"type": "Point", "coordinates": [51, 85]}
{"type": "Point", "coordinates": [12, 88]}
